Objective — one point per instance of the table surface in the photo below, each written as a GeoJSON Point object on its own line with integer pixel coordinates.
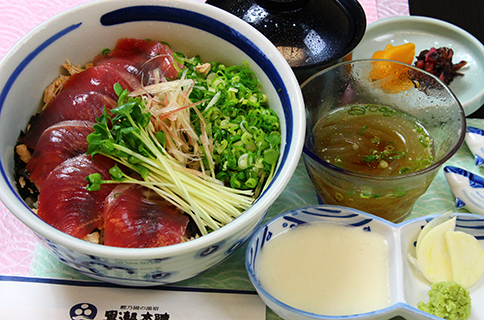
{"type": "Point", "coordinates": [20, 255]}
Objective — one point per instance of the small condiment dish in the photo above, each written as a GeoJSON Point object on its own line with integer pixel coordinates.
{"type": "Point", "coordinates": [425, 33]}
{"type": "Point", "coordinates": [406, 286]}
{"type": "Point", "coordinates": [475, 141]}
{"type": "Point", "coordinates": [467, 188]}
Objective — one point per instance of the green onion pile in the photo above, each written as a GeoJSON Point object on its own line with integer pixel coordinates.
{"type": "Point", "coordinates": [245, 130]}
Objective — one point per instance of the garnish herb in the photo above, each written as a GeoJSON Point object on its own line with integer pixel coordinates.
{"type": "Point", "coordinates": [130, 139]}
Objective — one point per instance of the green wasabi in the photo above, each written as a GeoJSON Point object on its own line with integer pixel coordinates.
{"type": "Point", "coordinates": [448, 300]}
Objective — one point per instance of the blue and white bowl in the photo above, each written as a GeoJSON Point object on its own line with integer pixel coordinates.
{"type": "Point", "coordinates": [188, 26]}
{"type": "Point", "coordinates": [407, 286]}
{"type": "Point", "coordinates": [467, 187]}
{"type": "Point", "coordinates": [475, 141]}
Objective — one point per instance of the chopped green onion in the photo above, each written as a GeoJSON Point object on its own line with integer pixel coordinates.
{"type": "Point", "coordinates": [241, 122]}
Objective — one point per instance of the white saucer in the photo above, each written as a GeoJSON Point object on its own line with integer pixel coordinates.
{"type": "Point", "coordinates": [426, 33]}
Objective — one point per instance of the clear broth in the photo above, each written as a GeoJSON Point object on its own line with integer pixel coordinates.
{"type": "Point", "coordinates": [376, 141]}
{"type": "Point", "coordinates": [372, 139]}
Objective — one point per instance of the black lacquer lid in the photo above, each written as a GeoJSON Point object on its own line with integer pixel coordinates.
{"type": "Point", "coordinates": [311, 34]}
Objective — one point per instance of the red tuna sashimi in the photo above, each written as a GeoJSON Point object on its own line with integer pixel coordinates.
{"type": "Point", "coordinates": [136, 217]}
{"type": "Point", "coordinates": [129, 65]}
{"type": "Point", "coordinates": [58, 143]}
{"type": "Point", "coordinates": [144, 55]}
{"type": "Point", "coordinates": [101, 79]}
{"type": "Point", "coordinates": [84, 97]}
{"type": "Point", "coordinates": [64, 202]}
{"type": "Point", "coordinates": [68, 105]}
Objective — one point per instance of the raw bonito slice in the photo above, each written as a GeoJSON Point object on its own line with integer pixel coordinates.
{"type": "Point", "coordinates": [58, 143]}
{"type": "Point", "coordinates": [83, 98]}
{"type": "Point", "coordinates": [136, 217]}
{"type": "Point", "coordinates": [67, 105]}
{"type": "Point", "coordinates": [125, 64]}
{"type": "Point", "coordinates": [145, 55]}
{"type": "Point", "coordinates": [64, 202]}
{"type": "Point", "coordinates": [101, 79]}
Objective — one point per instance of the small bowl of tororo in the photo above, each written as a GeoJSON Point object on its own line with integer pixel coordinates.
{"type": "Point", "coordinates": [360, 266]}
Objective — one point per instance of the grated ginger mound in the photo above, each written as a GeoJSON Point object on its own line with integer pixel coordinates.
{"type": "Point", "coordinates": [448, 300]}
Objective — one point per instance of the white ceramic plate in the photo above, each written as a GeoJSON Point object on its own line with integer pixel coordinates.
{"type": "Point", "coordinates": [426, 33]}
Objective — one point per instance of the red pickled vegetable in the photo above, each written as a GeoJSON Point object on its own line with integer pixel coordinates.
{"type": "Point", "coordinates": [439, 63]}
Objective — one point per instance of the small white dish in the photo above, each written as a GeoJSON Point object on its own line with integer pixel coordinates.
{"type": "Point", "coordinates": [425, 33]}
{"type": "Point", "coordinates": [406, 285]}
{"type": "Point", "coordinates": [475, 141]}
{"type": "Point", "coordinates": [467, 187]}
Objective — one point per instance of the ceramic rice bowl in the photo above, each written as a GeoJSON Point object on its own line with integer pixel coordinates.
{"type": "Point", "coordinates": [190, 27]}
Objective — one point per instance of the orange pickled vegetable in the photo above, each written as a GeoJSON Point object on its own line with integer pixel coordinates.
{"type": "Point", "coordinates": [393, 78]}
{"type": "Point", "coordinates": [404, 53]}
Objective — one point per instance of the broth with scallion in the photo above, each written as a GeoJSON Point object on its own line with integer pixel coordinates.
{"type": "Point", "coordinates": [380, 143]}
{"type": "Point", "coordinates": [374, 140]}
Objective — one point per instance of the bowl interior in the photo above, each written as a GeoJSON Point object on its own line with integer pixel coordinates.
{"type": "Point", "coordinates": [193, 28]}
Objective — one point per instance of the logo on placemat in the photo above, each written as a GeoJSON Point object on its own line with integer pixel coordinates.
{"type": "Point", "coordinates": [83, 311]}
{"type": "Point", "coordinates": [87, 311]}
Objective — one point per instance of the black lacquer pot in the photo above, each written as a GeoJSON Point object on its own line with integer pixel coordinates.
{"type": "Point", "coordinates": [311, 34]}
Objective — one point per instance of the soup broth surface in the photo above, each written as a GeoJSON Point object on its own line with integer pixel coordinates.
{"type": "Point", "coordinates": [374, 140]}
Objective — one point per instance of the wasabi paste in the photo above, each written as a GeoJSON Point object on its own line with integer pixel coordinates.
{"type": "Point", "coordinates": [448, 300]}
